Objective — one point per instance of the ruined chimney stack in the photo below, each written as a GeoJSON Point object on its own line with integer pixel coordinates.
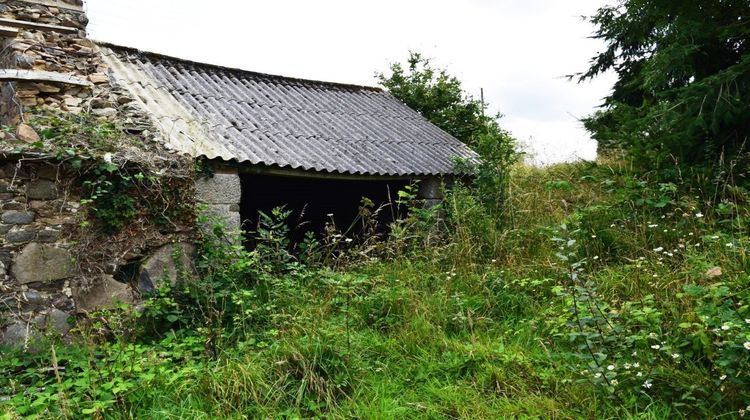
{"type": "Point", "coordinates": [46, 57]}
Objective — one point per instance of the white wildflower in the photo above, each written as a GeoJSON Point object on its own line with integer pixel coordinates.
{"type": "Point", "coordinates": [598, 375]}
{"type": "Point", "coordinates": [730, 245]}
{"type": "Point", "coordinates": [725, 327]}
{"type": "Point", "coordinates": [746, 345]}
{"type": "Point", "coordinates": [652, 335]}
{"type": "Point", "coordinates": [627, 366]}
{"type": "Point", "coordinates": [611, 367]}
{"type": "Point", "coordinates": [653, 226]}
{"type": "Point", "coordinates": [614, 382]}
{"type": "Point", "coordinates": [747, 321]}
{"type": "Point", "coordinates": [722, 377]}
{"type": "Point", "coordinates": [593, 236]}
{"type": "Point", "coordinates": [639, 374]}
{"type": "Point", "coordinates": [107, 157]}
{"type": "Point", "coordinates": [636, 365]}
{"type": "Point", "coordinates": [675, 356]}
{"type": "Point", "coordinates": [656, 347]}
{"type": "Point", "coordinates": [596, 257]}
{"type": "Point", "coordinates": [647, 384]}
{"type": "Point", "coordinates": [659, 249]}
{"type": "Point", "coordinates": [715, 237]}
{"type": "Point", "coordinates": [698, 215]}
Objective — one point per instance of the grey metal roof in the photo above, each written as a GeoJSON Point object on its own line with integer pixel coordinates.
{"type": "Point", "coordinates": [234, 115]}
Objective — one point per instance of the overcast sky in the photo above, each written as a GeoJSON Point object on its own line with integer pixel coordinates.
{"type": "Point", "coordinates": [517, 50]}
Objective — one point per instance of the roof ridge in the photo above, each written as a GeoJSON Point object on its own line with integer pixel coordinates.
{"type": "Point", "coordinates": [161, 56]}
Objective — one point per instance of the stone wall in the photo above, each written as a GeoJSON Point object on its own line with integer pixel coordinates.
{"type": "Point", "coordinates": [37, 213]}
{"type": "Point", "coordinates": [50, 266]}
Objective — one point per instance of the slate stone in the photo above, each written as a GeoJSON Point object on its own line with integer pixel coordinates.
{"type": "Point", "coordinates": [16, 217]}
{"type": "Point", "coordinates": [14, 206]}
{"type": "Point", "coordinates": [48, 235]}
{"type": "Point", "coordinates": [41, 189]}
{"type": "Point", "coordinates": [42, 263]}
{"type": "Point", "coordinates": [5, 229]}
{"type": "Point", "coordinates": [20, 236]}
{"type": "Point", "coordinates": [33, 300]}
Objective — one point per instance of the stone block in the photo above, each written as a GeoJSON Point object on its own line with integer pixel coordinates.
{"type": "Point", "coordinates": [168, 264]}
{"type": "Point", "coordinates": [55, 321]}
{"type": "Point", "coordinates": [48, 235]}
{"type": "Point", "coordinates": [104, 294]}
{"type": "Point", "coordinates": [430, 188]}
{"type": "Point", "coordinates": [224, 214]}
{"type": "Point", "coordinates": [221, 188]}
{"type": "Point", "coordinates": [32, 300]}
{"type": "Point", "coordinates": [18, 333]}
{"type": "Point", "coordinates": [14, 206]}
{"type": "Point", "coordinates": [41, 189]}
{"type": "Point", "coordinates": [42, 263]}
{"type": "Point", "coordinates": [15, 217]}
{"type": "Point", "coordinates": [25, 133]}
{"type": "Point", "coordinates": [20, 236]}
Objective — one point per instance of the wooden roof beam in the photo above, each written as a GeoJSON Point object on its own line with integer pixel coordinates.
{"type": "Point", "coordinates": [37, 26]}
{"type": "Point", "coordinates": [7, 31]}
{"type": "Point", "coordinates": [12, 75]}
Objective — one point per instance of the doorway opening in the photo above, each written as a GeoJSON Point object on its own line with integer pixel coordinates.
{"type": "Point", "coordinates": [315, 203]}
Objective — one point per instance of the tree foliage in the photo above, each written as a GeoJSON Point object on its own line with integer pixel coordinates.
{"type": "Point", "coordinates": [683, 70]}
{"type": "Point", "coordinates": [440, 98]}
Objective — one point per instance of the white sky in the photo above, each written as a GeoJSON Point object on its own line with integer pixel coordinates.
{"type": "Point", "coordinates": [517, 50]}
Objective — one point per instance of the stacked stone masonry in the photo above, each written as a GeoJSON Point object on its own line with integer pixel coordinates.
{"type": "Point", "coordinates": [40, 277]}
{"type": "Point", "coordinates": [36, 265]}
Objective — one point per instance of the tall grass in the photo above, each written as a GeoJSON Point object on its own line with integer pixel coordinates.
{"type": "Point", "coordinates": [489, 321]}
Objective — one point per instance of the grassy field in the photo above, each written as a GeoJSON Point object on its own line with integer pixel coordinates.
{"type": "Point", "coordinates": [595, 293]}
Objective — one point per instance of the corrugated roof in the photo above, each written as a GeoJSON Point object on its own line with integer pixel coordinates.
{"type": "Point", "coordinates": [235, 115]}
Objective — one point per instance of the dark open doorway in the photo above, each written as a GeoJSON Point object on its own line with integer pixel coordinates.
{"type": "Point", "coordinates": [315, 202]}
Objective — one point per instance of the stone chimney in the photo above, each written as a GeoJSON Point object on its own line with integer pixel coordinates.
{"type": "Point", "coordinates": [47, 58]}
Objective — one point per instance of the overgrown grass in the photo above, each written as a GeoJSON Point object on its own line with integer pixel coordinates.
{"type": "Point", "coordinates": [596, 294]}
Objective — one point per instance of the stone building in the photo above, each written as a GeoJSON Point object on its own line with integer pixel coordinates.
{"type": "Point", "coordinates": [267, 140]}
